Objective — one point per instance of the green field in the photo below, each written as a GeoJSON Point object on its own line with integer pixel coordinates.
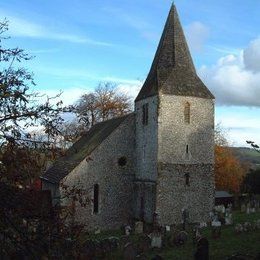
{"type": "Point", "coordinates": [227, 245]}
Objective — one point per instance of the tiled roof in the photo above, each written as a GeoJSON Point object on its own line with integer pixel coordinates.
{"type": "Point", "coordinates": [172, 71]}
{"type": "Point", "coordinates": [81, 149]}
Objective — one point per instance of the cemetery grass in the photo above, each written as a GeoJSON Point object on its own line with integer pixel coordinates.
{"type": "Point", "coordinates": [227, 245]}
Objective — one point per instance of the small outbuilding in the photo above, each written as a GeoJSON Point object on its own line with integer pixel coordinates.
{"type": "Point", "coordinates": [223, 197]}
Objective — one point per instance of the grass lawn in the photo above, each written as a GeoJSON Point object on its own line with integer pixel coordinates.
{"type": "Point", "coordinates": [228, 244]}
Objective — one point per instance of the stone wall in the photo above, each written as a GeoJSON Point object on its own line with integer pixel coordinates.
{"type": "Point", "coordinates": [115, 182]}
{"type": "Point", "coordinates": [146, 159]}
{"type": "Point", "coordinates": [175, 159]}
{"type": "Point", "coordinates": [146, 140]}
{"type": "Point", "coordinates": [173, 195]}
{"type": "Point", "coordinates": [174, 134]}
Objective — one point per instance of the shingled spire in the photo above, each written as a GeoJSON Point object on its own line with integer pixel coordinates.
{"type": "Point", "coordinates": [172, 71]}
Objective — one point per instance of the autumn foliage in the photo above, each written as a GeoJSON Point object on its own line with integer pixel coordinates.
{"type": "Point", "coordinates": [229, 171]}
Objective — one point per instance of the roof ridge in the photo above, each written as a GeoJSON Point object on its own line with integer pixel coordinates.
{"type": "Point", "coordinates": [82, 148]}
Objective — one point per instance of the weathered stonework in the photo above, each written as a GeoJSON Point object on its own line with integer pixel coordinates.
{"type": "Point", "coordinates": [115, 182]}
{"type": "Point", "coordinates": [173, 195]}
{"type": "Point", "coordinates": [169, 157]}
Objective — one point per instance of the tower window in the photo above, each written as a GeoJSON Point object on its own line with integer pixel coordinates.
{"type": "Point", "coordinates": [187, 113]}
{"type": "Point", "coordinates": [187, 149]}
{"type": "Point", "coordinates": [145, 114]}
{"type": "Point", "coordinates": [187, 179]}
{"type": "Point", "coordinates": [96, 199]}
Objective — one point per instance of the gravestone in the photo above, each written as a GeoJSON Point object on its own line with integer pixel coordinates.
{"type": "Point", "coordinates": [156, 240]}
{"type": "Point", "coordinates": [228, 219]}
{"type": "Point", "coordinates": [196, 233]}
{"type": "Point", "coordinates": [129, 252]}
{"type": "Point", "coordinates": [243, 208]}
{"type": "Point", "coordinates": [202, 252]}
{"type": "Point", "coordinates": [139, 227]}
{"type": "Point", "coordinates": [127, 230]}
{"type": "Point", "coordinates": [216, 228]}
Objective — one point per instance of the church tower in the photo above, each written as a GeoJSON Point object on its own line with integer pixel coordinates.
{"type": "Point", "coordinates": [174, 135]}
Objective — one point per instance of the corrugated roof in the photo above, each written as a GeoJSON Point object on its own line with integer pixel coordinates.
{"type": "Point", "coordinates": [81, 149]}
{"type": "Point", "coordinates": [172, 71]}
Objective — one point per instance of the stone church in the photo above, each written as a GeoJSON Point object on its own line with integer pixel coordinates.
{"type": "Point", "coordinates": [158, 158]}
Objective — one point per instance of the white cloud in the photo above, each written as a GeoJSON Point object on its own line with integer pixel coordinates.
{"type": "Point", "coordinates": [240, 124]}
{"type": "Point", "coordinates": [197, 33]}
{"type": "Point", "coordinates": [24, 28]}
{"type": "Point", "coordinates": [252, 56]}
{"type": "Point", "coordinates": [232, 80]}
{"type": "Point", "coordinates": [130, 89]}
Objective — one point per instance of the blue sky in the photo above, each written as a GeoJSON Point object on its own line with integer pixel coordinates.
{"type": "Point", "coordinates": [79, 43]}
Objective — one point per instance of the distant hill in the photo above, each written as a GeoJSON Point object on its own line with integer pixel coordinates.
{"type": "Point", "coordinates": [247, 155]}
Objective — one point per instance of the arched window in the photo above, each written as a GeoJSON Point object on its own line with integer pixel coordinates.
{"type": "Point", "coordinates": [96, 199]}
{"type": "Point", "coordinates": [187, 113]}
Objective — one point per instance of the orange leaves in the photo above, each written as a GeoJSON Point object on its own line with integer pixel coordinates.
{"type": "Point", "coordinates": [229, 172]}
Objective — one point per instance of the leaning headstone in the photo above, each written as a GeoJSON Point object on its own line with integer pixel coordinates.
{"type": "Point", "coordinates": [202, 249]}
{"type": "Point", "coordinates": [129, 252]}
{"type": "Point", "coordinates": [139, 227]}
{"type": "Point", "coordinates": [156, 240]}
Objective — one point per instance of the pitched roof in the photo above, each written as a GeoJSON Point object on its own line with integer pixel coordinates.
{"type": "Point", "coordinates": [172, 71]}
{"type": "Point", "coordinates": [81, 149]}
